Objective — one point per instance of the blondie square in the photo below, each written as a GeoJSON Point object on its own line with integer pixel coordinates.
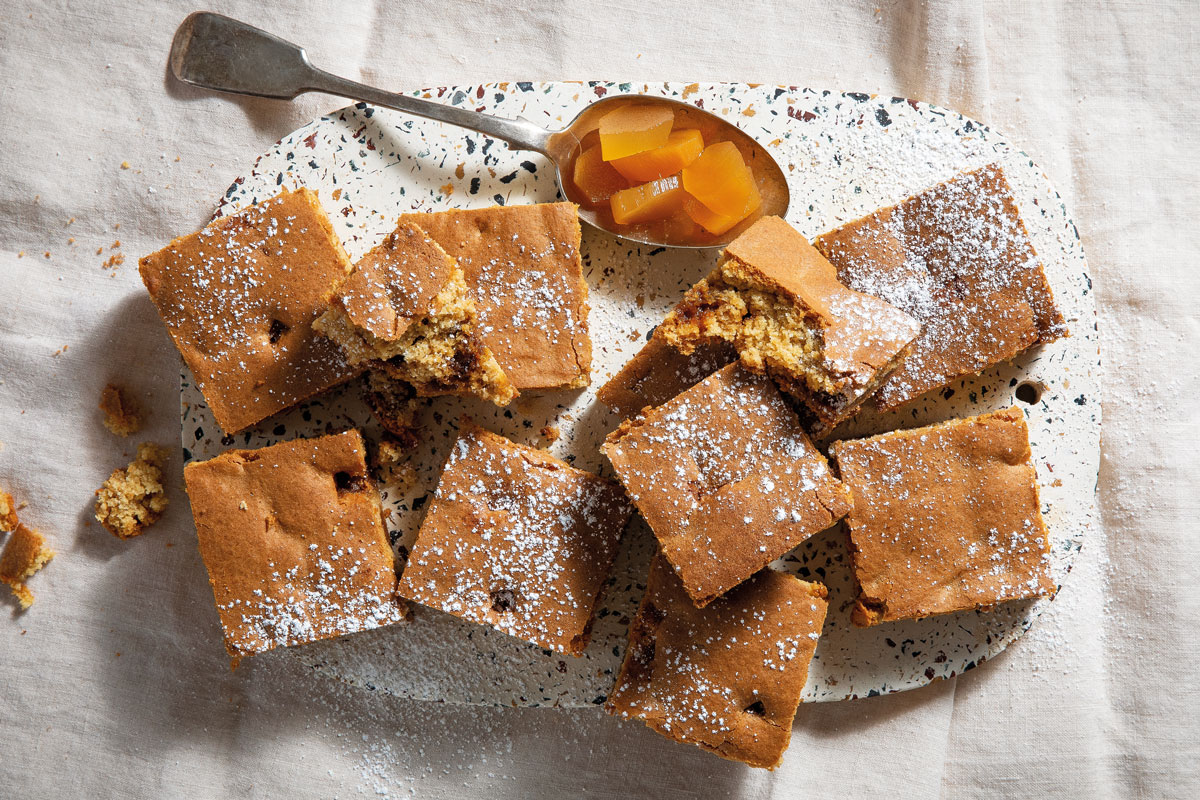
{"type": "Point", "coordinates": [523, 267]}
{"type": "Point", "coordinates": [726, 478]}
{"type": "Point", "coordinates": [239, 299]}
{"type": "Point", "coordinates": [294, 542]}
{"type": "Point", "coordinates": [779, 302]}
{"type": "Point", "coordinates": [518, 540]}
{"type": "Point", "coordinates": [405, 309]}
{"type": "Point", "coordinates": [945, 518]}
{"type": "Point", "coordinates": [958, 258]}
{"type": "Point", "coordinates": [727, 677]}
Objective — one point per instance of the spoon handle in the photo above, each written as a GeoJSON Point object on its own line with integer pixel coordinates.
{"type": "Point", "coordinates": [217, 52]}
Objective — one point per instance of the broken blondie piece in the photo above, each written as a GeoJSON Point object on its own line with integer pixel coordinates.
{"type": "Point", "coordinates": [726, 478]}
{"type": "Point", "coordinates": [958, 258]}
{"type": "Point", "coordinates": [133, 498]}
{"type": "Point", "coordinates": [25, 553]}
{"type": "Point", "coordinates": [945, 518]}
{"type": "Point", "coordinates": [726, 678]}
{"type": "Point", "coordinates": [522, 266]}
{"type": "Point", "coordinates": [395, 405]}
{"type": "Point", "coordinates": [122, 415]}
{"type": "Point", "coordinates": [239, 299]}
{"type": "Point", "coordinates": [293, 539]}
{"type": "Point", "coordinates": [8, 512]}
{"type": "Point", "coordinates": [405, 309]}
{"type": "Point", "coordinates": [518, 540]}
{"type": "Point", "coordinates": [778, 301]}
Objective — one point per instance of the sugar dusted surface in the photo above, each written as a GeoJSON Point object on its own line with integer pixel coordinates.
{"type": "Point", "coordinates": [517, 540]}
{"type": "Point", "coordinates": [958, 258]}
{"type": "Point", "coordinates": [846, 166]}
{"type": "Point", "coordinates": [726, 478]}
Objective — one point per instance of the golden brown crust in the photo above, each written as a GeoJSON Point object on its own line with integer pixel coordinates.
{"type": "Point", "coordinates": [294, 542]}
{"type": "Point", "coordinates": [726, 478]}
{"type": "Point", "coordinates": [945, 518]}
{"type": "Point", "coordinates": [658, 372]}
{"type": "Point", "coordinates": [394, 285]}
{"type": "Point", "coordinates": [122, 415]}
{"type": "Point", "coordinates": [239, 299]}
{"type": "Point", "coordinates": [133, 498]}
{"type": "Point", "coordinates": [8, 512]}
{"type": "Point", "coordinates": [958, 258]}
{"type": "Point", "coordinates": [24, 554]}
{"type": "Point", "coordinates": [406, 310]}
{"type": "Point", "coordinates": [777, 299]}
{"type": "Point", "coordinates": [523, 267]}
{"type": "Point", "coordinates": [518, 540]}
{"type": "Point", "coordinates": [727, 678]}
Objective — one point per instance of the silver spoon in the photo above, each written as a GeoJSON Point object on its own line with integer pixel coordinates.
{"type": "Point", "coordinates": [216, 52]}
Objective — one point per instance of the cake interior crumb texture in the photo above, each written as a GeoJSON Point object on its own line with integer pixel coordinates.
{"type": "Point", "coordinates": [946, 518]}
{"type": "Point", "coordinates": [239, 298]}
{"type": "Point", "coordinates": [728, 677]}
{"type": "Point", "coordinates": [122, 414]}
{"type": "Point", "coordinates": [395, 405]}
{"type": "Point", "coordinates": [8, 512]}
{"type": "Point", "coordinates": [134, 498]}
{"type": "Point", "coordinates": [406, 309]}
{"type": "Point", "coordinates": [523, 268]}
{"type": "Point", "coordinates": [294, 542]}
{"type": "Point", "coordinates": [778, 301]}
{"type": "Point", "coordinates": [959, 259]}
{"type": "Point", "coordinates": [726, 478]}
{"type": "Point", "coordinates": [519, 540]}
{"type": "Point", "coordinates": [24, 554]}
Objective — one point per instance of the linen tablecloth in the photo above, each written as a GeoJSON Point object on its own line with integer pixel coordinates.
{"type": "Point", "coordinates": [115, 682]}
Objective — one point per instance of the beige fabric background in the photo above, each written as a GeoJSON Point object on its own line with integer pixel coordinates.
{"type": "Point", "coordinates": [116, 684]}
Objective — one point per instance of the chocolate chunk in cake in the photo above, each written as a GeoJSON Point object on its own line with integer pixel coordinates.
{"type": "Point", "coordinates": [778, 301]}
{"type": "Point", "coordinates": [726, 678]}
{"type": "Point", "coordinates": [294, 542]}
{"type": "Point", "coordinates": [239, 299]}
{"type": "Point", "coordinates": [518, 540]}
{"type": "Point", "coordinates": [523, 268]}
{"type": "Point", "coordinates": [406, 310]}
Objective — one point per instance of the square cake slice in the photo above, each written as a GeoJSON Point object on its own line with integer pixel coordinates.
{"type": "Point", "coordinates": [958, 258]}
{"type": "Point", "coordinates": [294, 542]}
{"type": "Point", "coordinates": [239, 299]}
{"type": "Point", "coordinates": [726, 478]}
{"type": "Point", "coordinates": [523, 267]}
{"type": "Point", "coordinates": [728, 677]}
{"type": "Point", "coordinates": [779, 302]}
{"type": "Point", "coordinates": [945, 518]}
{"type": "Point", "coordinates": [518, 540]}
{"type": "Point", "coordinates": [405, 309]}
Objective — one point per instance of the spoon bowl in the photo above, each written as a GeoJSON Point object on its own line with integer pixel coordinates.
{"type": "Point", "coordinates": [216, 52]}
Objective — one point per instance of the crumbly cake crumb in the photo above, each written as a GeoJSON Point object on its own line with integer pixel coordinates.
{"type": "Point", "coordinates": [133, 498]}
{"type": "Point", "coordinates": [122, 415]}
{"type": "Point", "coordinates": [8, 512]}
{"type": "Point", "coordinates": [406, 309]}
{"type": "Point", "coordinates": [395, 405]}
{"type": "Point", "coordinates": [778, 301]}
{"type": "Point", "coordinates": [957, 257]}
{"type": "Point", "coordinates": [25, 553]}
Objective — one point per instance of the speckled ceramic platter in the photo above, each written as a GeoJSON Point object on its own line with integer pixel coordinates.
{"type": "Point", "coordinates": [844, 155]}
